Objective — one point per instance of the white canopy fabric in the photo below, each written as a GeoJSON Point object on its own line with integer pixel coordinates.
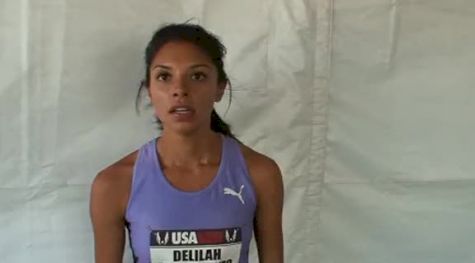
{"type": "Point", "coordinates": [367, 106]}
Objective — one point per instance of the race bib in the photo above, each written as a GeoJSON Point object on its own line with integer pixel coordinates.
{"type": "Point", "coordinates": [207, 246]}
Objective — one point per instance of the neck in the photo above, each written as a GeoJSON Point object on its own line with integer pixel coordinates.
{"type": "Point", "coordinates": [189, 150]}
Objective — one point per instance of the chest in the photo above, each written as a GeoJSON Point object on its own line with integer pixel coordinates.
{"type": "Point", "coordinates": [191, 179]}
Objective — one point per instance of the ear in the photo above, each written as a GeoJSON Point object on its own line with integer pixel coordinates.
{"type": "Point", "coordinates": [220, 91]}
{"type": "Point", "coordinates": [145, 86]}
{"type": "Point", "coordinates": [148, 92]}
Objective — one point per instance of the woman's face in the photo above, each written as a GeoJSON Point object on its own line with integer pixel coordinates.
{"type": "Point", "coordinates": [183, 87]}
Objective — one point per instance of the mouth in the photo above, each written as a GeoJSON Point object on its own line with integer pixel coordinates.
{"type": "Point", "coordinates": [182, 113]}
{"type": "Point", "coordinates": [181, 110]}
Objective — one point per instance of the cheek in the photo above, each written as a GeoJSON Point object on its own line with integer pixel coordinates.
{"type": "Point", "coordinates": [158, 100]}
{"type": "Point", "coordinates": [206, 100]}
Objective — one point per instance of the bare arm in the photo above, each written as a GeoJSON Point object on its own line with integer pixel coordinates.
{"type": "Point", "coordinates": [268, 221]}
{"type": "Point", "coordinates": [107, 216]}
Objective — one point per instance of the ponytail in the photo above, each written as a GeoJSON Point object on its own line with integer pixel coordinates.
{"type": "Point", "coordinates": [218, 125]}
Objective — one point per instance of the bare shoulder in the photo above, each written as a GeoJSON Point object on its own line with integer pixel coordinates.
{"type": "Point", "coordinates": [113, 183]}
{"type": "Point", "coordinates": [116, 173]}
{"type": "Point", "coordinates": [108, 202]}
{"type": "Point", "coordinates": [267, 179]}
{"type": "Point", "coordinates": [264, 171]}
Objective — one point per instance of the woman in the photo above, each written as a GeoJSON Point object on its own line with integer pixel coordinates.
{"type": "Point", "coordinates": [195, 193]}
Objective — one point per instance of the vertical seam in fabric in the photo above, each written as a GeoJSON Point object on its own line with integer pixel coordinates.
{"type": "Point", "coordinates": [25, 113]}
{"type": "Point", "coordinates": [322, 74]}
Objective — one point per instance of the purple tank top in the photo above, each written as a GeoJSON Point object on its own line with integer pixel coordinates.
{"type": "Point", "coordinates": [214, 224]}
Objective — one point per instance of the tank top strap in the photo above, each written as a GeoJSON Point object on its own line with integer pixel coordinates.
{"type": "Point", "coordinates": [143, 169]}
{"type": "Point", "coordinates": [236, 158]}
{"type": "Point", "coordinates": [239, 171]}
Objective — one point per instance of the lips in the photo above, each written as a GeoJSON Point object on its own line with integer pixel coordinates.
{"type": "Point", "coordinates": [182, 113]}
{"type": "Point", "coordinates": [181, 109]}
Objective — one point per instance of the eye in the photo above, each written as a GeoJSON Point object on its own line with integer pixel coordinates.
{"type": "Point", "coordinates": [198, 76]}
{"type": "Point", "coordinates": [163, 76]}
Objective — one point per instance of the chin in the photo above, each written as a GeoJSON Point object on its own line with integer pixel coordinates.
{"type": "Point", "coordinates": [184, 128]}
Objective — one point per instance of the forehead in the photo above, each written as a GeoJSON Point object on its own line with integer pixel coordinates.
{"type": "Point", "coordinates": [180, 53]}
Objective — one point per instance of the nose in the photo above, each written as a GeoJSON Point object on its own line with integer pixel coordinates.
{"type": "Point", "coordinates": [180, 88]}
{"type": "Point", "coordinates": [179, 93]}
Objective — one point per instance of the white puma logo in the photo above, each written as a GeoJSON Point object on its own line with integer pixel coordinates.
{"type": "Point", "coordinates": [229, 191]}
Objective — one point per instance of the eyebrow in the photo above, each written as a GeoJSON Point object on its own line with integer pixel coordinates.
{"type": "Point", "coordinates": [193, 66]}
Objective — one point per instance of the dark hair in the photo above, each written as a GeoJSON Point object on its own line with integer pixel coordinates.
{"type": "Point", "coordinates": [207, 42]}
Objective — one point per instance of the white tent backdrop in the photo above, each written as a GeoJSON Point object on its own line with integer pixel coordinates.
{"type": "Point", "coordinates": [368, 106]}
